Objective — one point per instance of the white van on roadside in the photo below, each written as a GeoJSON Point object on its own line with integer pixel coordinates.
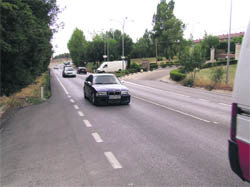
{"type": "Point", "coordinates": [239, 142]}
{"type": "Point", "coordinates": [112, 66]}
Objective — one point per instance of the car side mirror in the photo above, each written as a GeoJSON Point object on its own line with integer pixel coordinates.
{"type": "Point", "coordinates": [88, 83]}
{"type": "Point", "coordinates": [122, 81]}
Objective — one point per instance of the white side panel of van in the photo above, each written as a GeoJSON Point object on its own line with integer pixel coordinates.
{"type": "Point", "coordinates": [241, 93]}
{"type": "Point", "coordinates": [243, 128]}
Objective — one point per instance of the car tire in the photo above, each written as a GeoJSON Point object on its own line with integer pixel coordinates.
{"type": "Point", "coordinates": [93, 100]}
{"type": "Point", "coordinates": [85, 96]}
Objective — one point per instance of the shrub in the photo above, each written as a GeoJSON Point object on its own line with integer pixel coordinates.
{"type": "Point", "coordinates": [153, 66]}
{"type": "Point", "coordinates": [219, 63]}
{"type": "Point", "coordinates": [159, 58]}
{"type": "Point", "coordinates": [163, 64]}
{"type": "Point", "coordinates": [176, 75]}
{"type": "Point", "coordinates": [136, 66]}
{"type": "Point", "coordinates": [188, 82]}
{"type": "Point", "coordinates": [216, 75]}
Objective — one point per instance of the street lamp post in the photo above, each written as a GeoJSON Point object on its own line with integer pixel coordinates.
{"type": "Point", "coordinates": [228, 45]}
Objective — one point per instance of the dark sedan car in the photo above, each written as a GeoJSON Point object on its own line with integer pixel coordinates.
{"type": "Point", "coordinates": [82, 70]}
{"type": "Point", "coordinates": [105, 89]}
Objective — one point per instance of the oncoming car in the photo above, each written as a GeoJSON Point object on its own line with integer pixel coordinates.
{"type": "Point", "coordinates": [105, 89]}
{"type": "Point", "coordinates": [82, 70]}
{"type": "Point", "coordinates": [68, 71]}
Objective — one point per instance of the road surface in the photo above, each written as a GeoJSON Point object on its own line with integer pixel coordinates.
{"type": "Point", "coordinates": [168, 136]}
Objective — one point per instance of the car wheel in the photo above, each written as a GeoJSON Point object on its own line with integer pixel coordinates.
{"type": "Point", "coordinates": [85, 96]}
{"type": "Point", "coordinates": [93, 98]}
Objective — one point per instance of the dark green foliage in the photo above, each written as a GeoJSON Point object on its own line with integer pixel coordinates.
{"type": "Point", "coordinates": [189, 82]}
{"type": "Point", "coordinates": [167, 29]}
{"type": "Point", "coordinates": [219, 63]}
{"type": "Point", "coordinates": [176, 75]}
{"type": "Point", "coordinates": [25, 41]}
{"type": "Point", "coordinates": [135, 66]}
{"type": "Point", "coordinates": [207, 43]}
{"type": "Point", "coordinates": [159, 58]}
{"type": "Point", "coordinates": [64, 55]}
{"type": "Point", "coordinates": [153, 66]}
{"type": "Point", "coordinates": [77, 46]}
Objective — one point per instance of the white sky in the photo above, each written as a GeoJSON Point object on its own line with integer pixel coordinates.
{"type": "Point", "coordinates": [199, 16]}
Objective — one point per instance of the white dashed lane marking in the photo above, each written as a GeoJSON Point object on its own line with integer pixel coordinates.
{"type": "Point", "coordinates": [69, 96]}
{"type": "Point", "coordinates": [112, 160]}
{"type": "Point", "coordinates": [80, 113]}
{"type": "Point", "coordinates": [97, 137]}
{"type": "Point", "coordinates": [87, 123]}
{"type": "Point", "coordinates": [72, 101]}
{"type": "Point", "coordinates": [76, 107]}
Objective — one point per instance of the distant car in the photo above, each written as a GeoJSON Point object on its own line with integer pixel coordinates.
{"type": "Point", "coordinates": [56, 67]}
{"type": "Point", "coordinates": [68, 72]}
{"type": "Point", "coordinates": [105, 89]}
{"type": "Point", "coordinates": [82, 70]}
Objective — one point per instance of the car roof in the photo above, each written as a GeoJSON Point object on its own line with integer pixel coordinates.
{"type": "Point", "coordinates": [101, 74]}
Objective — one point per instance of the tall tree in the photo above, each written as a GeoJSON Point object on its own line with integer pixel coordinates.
{"type": "Point", "coordinates": [77, 46]}
{"type": "Point", "coordinates": [26, 32]}
{"type": "Point", "coordinates": [167, 29]}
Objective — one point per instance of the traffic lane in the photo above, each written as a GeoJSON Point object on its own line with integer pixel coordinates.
{"type": "Point", "coordinates": [131, 134]}
{"type": "Point", "coordinates": [203, 109]}
{"type": "Point", "coordinates": [39, 148]}
{"type": "Point", "coordinates": [212, 96]}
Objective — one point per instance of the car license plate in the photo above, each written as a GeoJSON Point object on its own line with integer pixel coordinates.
{"type": "Point", "coordinates": [114, 97]}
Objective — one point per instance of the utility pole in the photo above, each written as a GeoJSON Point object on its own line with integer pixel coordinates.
{"type": "Point", "coordinates": [228, 45]}
{"type": "Point", "coordinates": [156, 50]}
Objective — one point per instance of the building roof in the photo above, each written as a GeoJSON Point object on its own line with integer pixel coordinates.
{"type": "Point", "coordinates": [224, 36]}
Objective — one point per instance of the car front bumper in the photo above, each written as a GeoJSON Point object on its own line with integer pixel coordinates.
{"type": "Point", "coordinates": [103, 100]}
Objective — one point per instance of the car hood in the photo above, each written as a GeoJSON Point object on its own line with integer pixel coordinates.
{"type": "Point", "coordinates": [109, 87]}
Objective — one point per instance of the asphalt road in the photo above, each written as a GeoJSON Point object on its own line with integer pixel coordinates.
{"type": "Point", "coordinates": [167, 136]}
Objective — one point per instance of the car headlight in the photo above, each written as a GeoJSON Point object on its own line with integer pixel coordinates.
{"type": "Point", "coordinates": [101, 93]}
{"type": "Point", "coordinates": [125, 92]}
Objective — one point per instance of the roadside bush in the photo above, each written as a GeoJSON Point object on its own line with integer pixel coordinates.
{"type": "Point", "coordinates": [176, 75]}
{"type": "Point", "coordinates": [159, 58]}
{"type": "Point", "coordinates": [153, 66]}
{"type": "Point", "coordinates": [163, 64]}
{"type": "Point", "coordinates": [136, 66]}
{"type": "Point", "coordinates": [189, 82]}
{"type": "Point", "coordinates": [216, 75]}
{"type": "Point", "coordinates": [219, 63]}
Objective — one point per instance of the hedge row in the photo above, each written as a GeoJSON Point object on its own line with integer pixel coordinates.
{"type": "Point", "coordinates": [219, 63]}
{"type": "Point", "coordinates": [176, 75]}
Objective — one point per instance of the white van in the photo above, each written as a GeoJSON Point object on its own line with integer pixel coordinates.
{"type": "Point", "coordinates": [239, 143]}
{"type": "Point", "coordinates": [112, 66]}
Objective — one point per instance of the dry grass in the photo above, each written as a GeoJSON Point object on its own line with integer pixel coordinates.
{"type": "Point", "coordinates": [25, 97]}
{"type": "Point", "coordinates": [203, 78]}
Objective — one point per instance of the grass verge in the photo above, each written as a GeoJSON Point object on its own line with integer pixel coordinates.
{"type": "Point", "coordinates": [29, 95]}
{"type": "Point", "coordinates": [203, 78]}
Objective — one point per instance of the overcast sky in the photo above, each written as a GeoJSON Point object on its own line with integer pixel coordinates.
{"type": "Point", "coordinates": [94, 16]}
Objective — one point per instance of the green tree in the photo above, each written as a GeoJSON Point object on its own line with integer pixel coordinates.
{"type": "Point", "coordinates": [207, 43]}
{"type": "Point", "coordinates": [167, 29]}
{"type": "Point", "coordinates": [77, 46]}
{"type": "Point", "coordinates": [191, 59]}
{"type": "Point", "coordinates": [25, 41]}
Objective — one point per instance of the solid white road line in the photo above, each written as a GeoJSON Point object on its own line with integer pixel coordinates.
{"type": "Point", "coordinates": [65, 90]}
{"type": "Point", "coordinates": [80, 113]}
{"type": "Point", "coordinates": [204, 100]}
{"type": "Point", "coordinates": [186, 114]}
{"type": "Point", "coordinates": [97, 137]}
{"type": "Point", "coordinates": [215, 122]}
{"type": "Point", "coordinates": [76, 107]}
{"type": "Point", "coordinates": [87, 123]}
{"type": "Point", "coordinates": [72, 101]}
{"type": "Point", "coordinates": [112, 160]}
{"type": "Point", "coordinates": [224, 104]}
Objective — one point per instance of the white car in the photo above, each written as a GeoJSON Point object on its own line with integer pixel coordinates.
{"type": "Point", "coordinates": [68, 72]}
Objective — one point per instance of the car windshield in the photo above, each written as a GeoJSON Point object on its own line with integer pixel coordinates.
{"type": "Point", "coordinates": [106, 79]}
{"type": "Point", "coordinates": [69, 69]}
